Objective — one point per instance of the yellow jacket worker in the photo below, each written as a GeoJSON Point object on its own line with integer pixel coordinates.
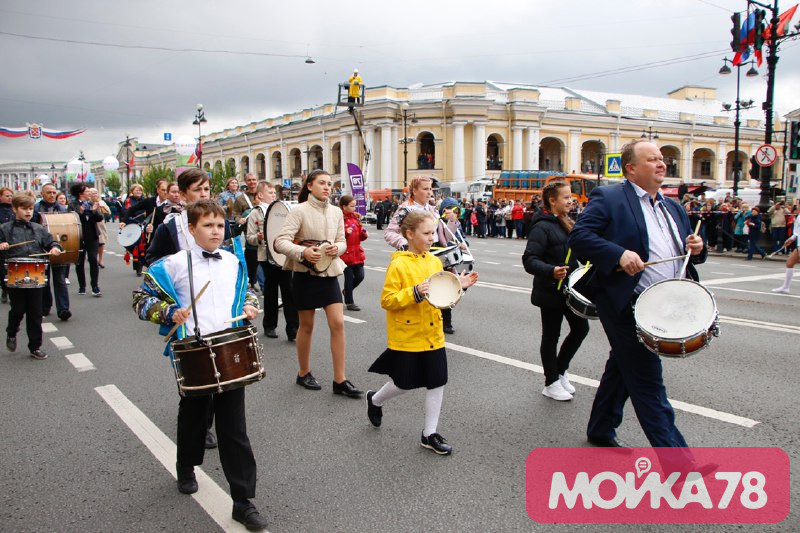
{"type": "Point", "coordinates": [355, 82]}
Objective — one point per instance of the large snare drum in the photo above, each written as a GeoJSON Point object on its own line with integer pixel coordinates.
{"type": "Point", "coordinates": [66, 230]}
{"type": "Point", "coordinates": [26, 273]}
{"type": "Point", "coordinates": [223, 361]}
{"type": "Point", "coordinates": [578, 303]}
{"type": "Point", "coordinates": [129, 235]}
{"type": "Point", "coordinates": [444, 290]}
{"type": "Point", "coordinates": [450, 256]}
{"type": "Point", "coordinates": [676, 317]}
{"type": "Point", "coordinates": [273, 224]}
{"type": "Point", "coordinates": [467, 262]}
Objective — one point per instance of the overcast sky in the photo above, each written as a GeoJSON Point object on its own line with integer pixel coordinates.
{"type": "Point", "coordinates": [117, 90]}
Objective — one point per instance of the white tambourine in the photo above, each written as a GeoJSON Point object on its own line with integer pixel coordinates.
{"type": "Point", "coordinates": [444, 290]}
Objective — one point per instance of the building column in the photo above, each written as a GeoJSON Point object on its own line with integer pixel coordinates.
{"type": "Point", "coordinates": [284, 164]}
{"type": "Point", "coordinates": [478, 150]}
{"type": "Point", "coordinates": [304, 158]}
{"type": "Point", "coordinates": [615, 142]}
{"type": "Point", "coordinates": [688, 156]}
{"type": "Point", "coordinates": [370, 141]}
{"type": "Point", "coordinates": [355, 148]}
{"type": "Point", "coordinates": [516, 147]}
{"type": "Point", "coordinates": [532, 149]}
{"type": "Point", "coordinates": [458, 152]}
{"type": "Point", "coordinates": [396, 166]}
{"type": "Point", "coordinates": [387, 173]}
{"type": "Point", "coordinates": [574, 152]}
{"type": "Point", "coordinates": [326, 153]}
{"type": "Point", "coordinates": [722, 165]}
{"type": "Point", "coordinates": [344, 152]}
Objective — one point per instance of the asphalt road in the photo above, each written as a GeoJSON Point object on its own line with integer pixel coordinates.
{"type": "Point", "coordinates": [70, 462]}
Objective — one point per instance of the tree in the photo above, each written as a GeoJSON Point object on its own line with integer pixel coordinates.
{"type": "Point", "coordinates": [220, 176]}
{"type": "Point", "coordinates": [153, 174]}
{"type": "Point", "coordinates": [113, 182]}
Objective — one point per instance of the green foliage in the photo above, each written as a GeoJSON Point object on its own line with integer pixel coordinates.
{"type": "Point", "coordinates": [220, 176]}
{"type": "Point", "coordinates": [113, 182]}
{"type": "Point", "coordinates": [152, 175]}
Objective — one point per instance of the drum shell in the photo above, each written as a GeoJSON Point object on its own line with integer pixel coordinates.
{"type": "Point", "coordinates": [669, 348]}
{"type": "Point", "coordinates": [236, 354]}
{"type": "Point", "coordinates": [67, 231]}
{"type": "Point", "coordinates": [578, 303]}
{"type": "Point", "coordinates": [26, 273]}
{"type": "Point", "coordinates": [272, 229]}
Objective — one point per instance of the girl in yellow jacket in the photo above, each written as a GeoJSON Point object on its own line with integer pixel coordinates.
{"type": "Point", "coordinates": [415, 356]}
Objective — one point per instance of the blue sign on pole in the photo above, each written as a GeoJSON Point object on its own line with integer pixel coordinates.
{"type": "Point", "coordinates": [167, 136]}
{"type": "Point", "coordinates": [287, 183]}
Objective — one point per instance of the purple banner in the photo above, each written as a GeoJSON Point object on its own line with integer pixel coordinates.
{"type": "Point", "coordinates": [357, 185]}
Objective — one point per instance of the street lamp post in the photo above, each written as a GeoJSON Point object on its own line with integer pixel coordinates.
{"type": "Point", "coordinates": [127, 162]}
{"type": "Point", "coordinates": [199, 119]}
{"type": "Point", "coordinates": [740, 105]}
{"type": "Point", "coordinates": [649, 134]}
{"type": "Point", "coordinates": [405, 140]}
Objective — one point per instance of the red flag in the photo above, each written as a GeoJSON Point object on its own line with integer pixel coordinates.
{"type": "Point", "coordinates": [783, 23]}
{"type": "Point", "coordinates": [129, 164]}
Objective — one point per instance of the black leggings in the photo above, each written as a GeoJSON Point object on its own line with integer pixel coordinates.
{"type": "Point", "coordinates": [353, 276]}
{"type": "Point", "coordinates": [555, 365]}
{"type": "Point", "coordinates": [89, 252]}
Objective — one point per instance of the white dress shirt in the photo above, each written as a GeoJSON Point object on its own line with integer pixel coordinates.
{"type": "Point", "coordinates": [216, 304]}
{"type": "Point", "coordinates": [662, 243]}
{"type": "Point", "coordinates": [185, 239]}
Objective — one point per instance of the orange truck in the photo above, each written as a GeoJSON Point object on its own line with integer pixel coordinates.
{"type": "Point", "coordinates": [525, 184]}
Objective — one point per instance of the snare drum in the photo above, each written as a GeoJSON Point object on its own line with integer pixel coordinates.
{"type": "Point", "coordinates": [67, 231]}
{"type": "Point", "coordinates": [129, 235]}
{"type": "Point", "coordinates": [450, 256]}
{"type": "Point", "coordinates": [26, 273]}
{"type": "Point", "coordinates": [444, 290]}
{"type": "Point", "coordinates": [467, 262]}
{"type": "Point", "coordinates": [273, 224]}
{"type": "Point", "coordinates": [676, 317]}
{"type": "Point", "coordinates": [227, 360]}
{"type": "Point", "coordinates": [578, 303]}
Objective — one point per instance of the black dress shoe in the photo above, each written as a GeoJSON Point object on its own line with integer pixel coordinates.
{"type": "Point", "coordinates": [449, 330]}
{"type": "Point", "coordinates": [308, 381]}
{"type": "Point", "coordinates": [187, 483]}
{"type": "Point", "coordinates": [346, 388]}
{"type": "Point", "coordinates": [291, 335]}
{"type": "Point", "coordinates": [38, 354]}
{"type": "Point", "coordinates": [211, 440]}
{"type": "Point", "coordinates": [65, 315]}
{"type": "Point", "coordinates": [271, 333]}
{"type": "Point", "coordinates": [374, 413]}
{"type": "Point", "coordinates": [353, 307]}
{"type": "Point", "coordinates": [436, 443]}
{"type": "Point", "coordinates": [11, 344]}
{"type": "Point", "coordinates": [246, 513]}
{"type": "Point", "coordinates": [46, 312]}
{"type": "Point", "coordinates": [610, 442]}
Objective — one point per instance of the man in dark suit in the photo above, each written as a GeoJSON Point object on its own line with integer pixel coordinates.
{"type": "Point", "coordinates": [624, 226]}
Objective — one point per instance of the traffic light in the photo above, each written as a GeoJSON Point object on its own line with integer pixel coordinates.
{"type": "Point", "coordinates": [761, 26]}
{"type": "Point", "coordinates": [794, 141]}
{"type": "Point", "coordinates": [736, 18]}
{"type": "Point", "coordinates": [755, 169]}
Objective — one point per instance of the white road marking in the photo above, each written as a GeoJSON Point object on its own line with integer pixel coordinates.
{"type": "Point", "coordinates": [683, 406]}
{"type": "Point", "coordinates": [49, 327]}
{"type": "Point", "coordinates": [500, 286]}
{"type": "Point", "coordinates": [62, 343]}
{"type": "Point", "coordinates": [349, 318]}
{"type": "Point", "coordinates": [215, 501]}
{"type": "Point", "coordinates": [710, 263]}
{"type": "Point", "coordinates": [514, 253]}
{"type": "Point", "coordinates": [743, 279]}
{"type": "Point", "coordinates": [489, 262]}
{"type": "Point", "coordinates": [388, 251]}
{"type": "Point", "coordinates": [777, 294]}
{"type": "Point", "coordinates": [80, 362]}
{"type": "Point", "coordinates": [772, 326]}
{"type": "Point", "coordinates": [376, 269]}
{"type": "Point", "coordinates": [722, 273]}
{"type": "Point", "coordinates": [518, 266]}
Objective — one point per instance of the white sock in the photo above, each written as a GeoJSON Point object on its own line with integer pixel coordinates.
{"type": "Point", "coordinates": [788, 280]}
{"type": "Point", "coordinates": [387, 392]}
{"type": "Point", "coordinates": [433, 406]}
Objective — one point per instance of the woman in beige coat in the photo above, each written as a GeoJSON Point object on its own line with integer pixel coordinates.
{"type": "Point", "coordinates": [313, 220]}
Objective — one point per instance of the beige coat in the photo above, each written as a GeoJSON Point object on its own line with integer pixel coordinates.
{"type": "Point", "coordinates": [312, 220]}
{"type": "Point", "coordinates": [255, 223]}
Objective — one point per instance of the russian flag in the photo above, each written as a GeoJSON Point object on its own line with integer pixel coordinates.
{"type": "Point", "coordinates": [61, 134]}
{"type": "Point", "coordinates": [13, 132]}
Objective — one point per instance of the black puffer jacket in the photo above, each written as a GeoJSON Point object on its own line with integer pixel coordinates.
{"type": "Point", "coordinates": [546, 249]}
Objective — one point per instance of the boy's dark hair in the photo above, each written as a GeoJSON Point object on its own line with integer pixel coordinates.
{"type": "Point", "coordinates": [190, 177]}
{"type": "Point", "coordinates": [345, 200]}
{"type": "Point", "coordinates": [22, 199]}
{"type": "Point", "coordinates": [201, 208]}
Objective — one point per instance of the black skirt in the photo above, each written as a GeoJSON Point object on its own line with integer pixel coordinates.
{"type": "Point", "coordinates": [314, 292]}
{"type": "Point", "coordinates": [412, 370]}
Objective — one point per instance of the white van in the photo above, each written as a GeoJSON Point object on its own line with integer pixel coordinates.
{"type": "Point", "coordinates": [479, 190]}
{"type": "Point", "coordinates": [751, 196]}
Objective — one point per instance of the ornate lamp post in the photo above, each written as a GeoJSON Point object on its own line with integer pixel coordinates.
{"type": "Point", "coordinates": [199, 120]}
{"type": "Point", "coordinates": [739, 105]}
{"type": "Point", "coordinates": [405, 140]}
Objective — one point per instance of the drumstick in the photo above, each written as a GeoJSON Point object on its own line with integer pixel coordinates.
{"type": "Point", "coordinates": [620, 269]}
{"type": "Point", "coordinates": [689, 254]}
{"type": "Point", "coordinates": [43, 253]}
{"type": "Point", "coordinates": [566, 262]}
{"type": "Point", "coordinates": [240, 317]}
{"type": "Point", "coordinates": [19, 243]}
{"type": "Point", "coordinates": [152, 217]}
{"type": "Point", "coordinates": [199, 294]}
{"type": "Point", "coordinates": [770, 255]}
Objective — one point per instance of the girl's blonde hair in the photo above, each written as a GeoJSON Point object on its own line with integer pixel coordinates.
{"type": "Point", "coordinates": [413, 219]}
{"type": "Point", "coordinates": [415, 183]}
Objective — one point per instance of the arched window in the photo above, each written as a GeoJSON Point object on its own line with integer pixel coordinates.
{"type": "Point", "coordinates": [591, 157]}
{"type": "Point", "coordinates": [277, 165]}
{"type": "Point", "coordinates": [426, 151]}
{"type": "Point", "coordinates": [261, 167]}
{"type": "Point", "coordinates": [245, 164]}
{"type": "Point", "coordinates": [551, 150]}
{"type": "Point", "coordinates": [295, 162]}
{"type": "Point", "coordinates": [703, 164]}
{"type": "Point", "coordinates": [315, 157]}
{"type": "Point", "coordinates": [494, 155]}
{"type": "Point", "coordinates": [336, 158]}
{"type": "Point", "coordinates": [672, 158]}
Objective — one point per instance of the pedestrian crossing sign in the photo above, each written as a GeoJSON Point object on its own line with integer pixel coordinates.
{"type": "Point", "coordinates": [613, 165]}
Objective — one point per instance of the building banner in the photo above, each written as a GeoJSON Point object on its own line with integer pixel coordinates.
{"type": "Point", "coordinates": [357, 185]}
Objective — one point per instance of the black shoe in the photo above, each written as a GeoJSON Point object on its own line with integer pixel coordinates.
{"type": "Point", "coordinates": [211, 440]}
{"type": "Point", "coordinates": [291, 335]}
{"type": "Point", "coordinates": [437, 443]}
{"type": "Point", "coordinates": [97, 292]}
{"type": "Point", "coordinates": [610, 442]}
{"type": "Point", "coordinates": [46, 312]}
{"type": "Point", "coordinates": [346, 388]}
{"type": "Point", "coordinates": [187, 483]}
{"type": "Point", "coordinates": [11, 344]}
{"type": "Point", "coordinates": [308, 381]}
{"type": "Point", "coordinates": [4, 298]}
{"type": "Point", "coordinates": [374, 413]}
{"type": "Point", "coordinates": [353, 307]}
{"type": "Point", "coordinates": [65, 315]}
{"type": "Point", "coordinates": [271, 333]}
{"type": "Point", "coordinates": [38, 354]}
{"type": "Point", "coordinates": [246, 513]}
{"type": "Point", "coordinates": [449, 330]}
{"type": "Point", "coordinates": [81, 292]}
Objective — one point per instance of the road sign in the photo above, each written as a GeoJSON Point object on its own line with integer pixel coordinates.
{"type": "Point", "coordinates": [614, 165]}
{"type": "Point", "coordinates": [287, 183]}
{"type": "Point", "coordinates": [766, 155]}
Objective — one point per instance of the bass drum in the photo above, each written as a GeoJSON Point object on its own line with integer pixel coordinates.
{"type": "Point", "coordinates": [66, 230]}
{"type": "Point", "coordinates": [273, 224]}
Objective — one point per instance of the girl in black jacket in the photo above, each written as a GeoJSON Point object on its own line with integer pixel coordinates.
{"type": "Point", "coordinates": [545, 257]}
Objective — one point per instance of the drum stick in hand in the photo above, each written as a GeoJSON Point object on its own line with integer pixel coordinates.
{"type": "Point", "coordinates": [677, 257]}
{"type": "Point", "coordinates": [689, 254]}
{"type": "Point", "coordinates": [199, 294]}
{"type": "Point", "coordinates": [19, 243]}
{"type": "Point", "coordinates": [241, 317]}
{"type": "Point", "coordinates": [566, 262]}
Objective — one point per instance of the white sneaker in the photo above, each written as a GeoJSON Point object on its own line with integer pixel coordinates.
{"type": "Point", "coordinates": [564, 380]}
{"type": "Point", "coordinates": [556, 392]}
{"type": "Point", "coordinates": [781, 290]}
{"type": "Point", "coordinates": [66, 281]}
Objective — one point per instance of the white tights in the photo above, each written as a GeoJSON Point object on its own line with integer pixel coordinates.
{"type": "Point", "coordinates": [433, 403]}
